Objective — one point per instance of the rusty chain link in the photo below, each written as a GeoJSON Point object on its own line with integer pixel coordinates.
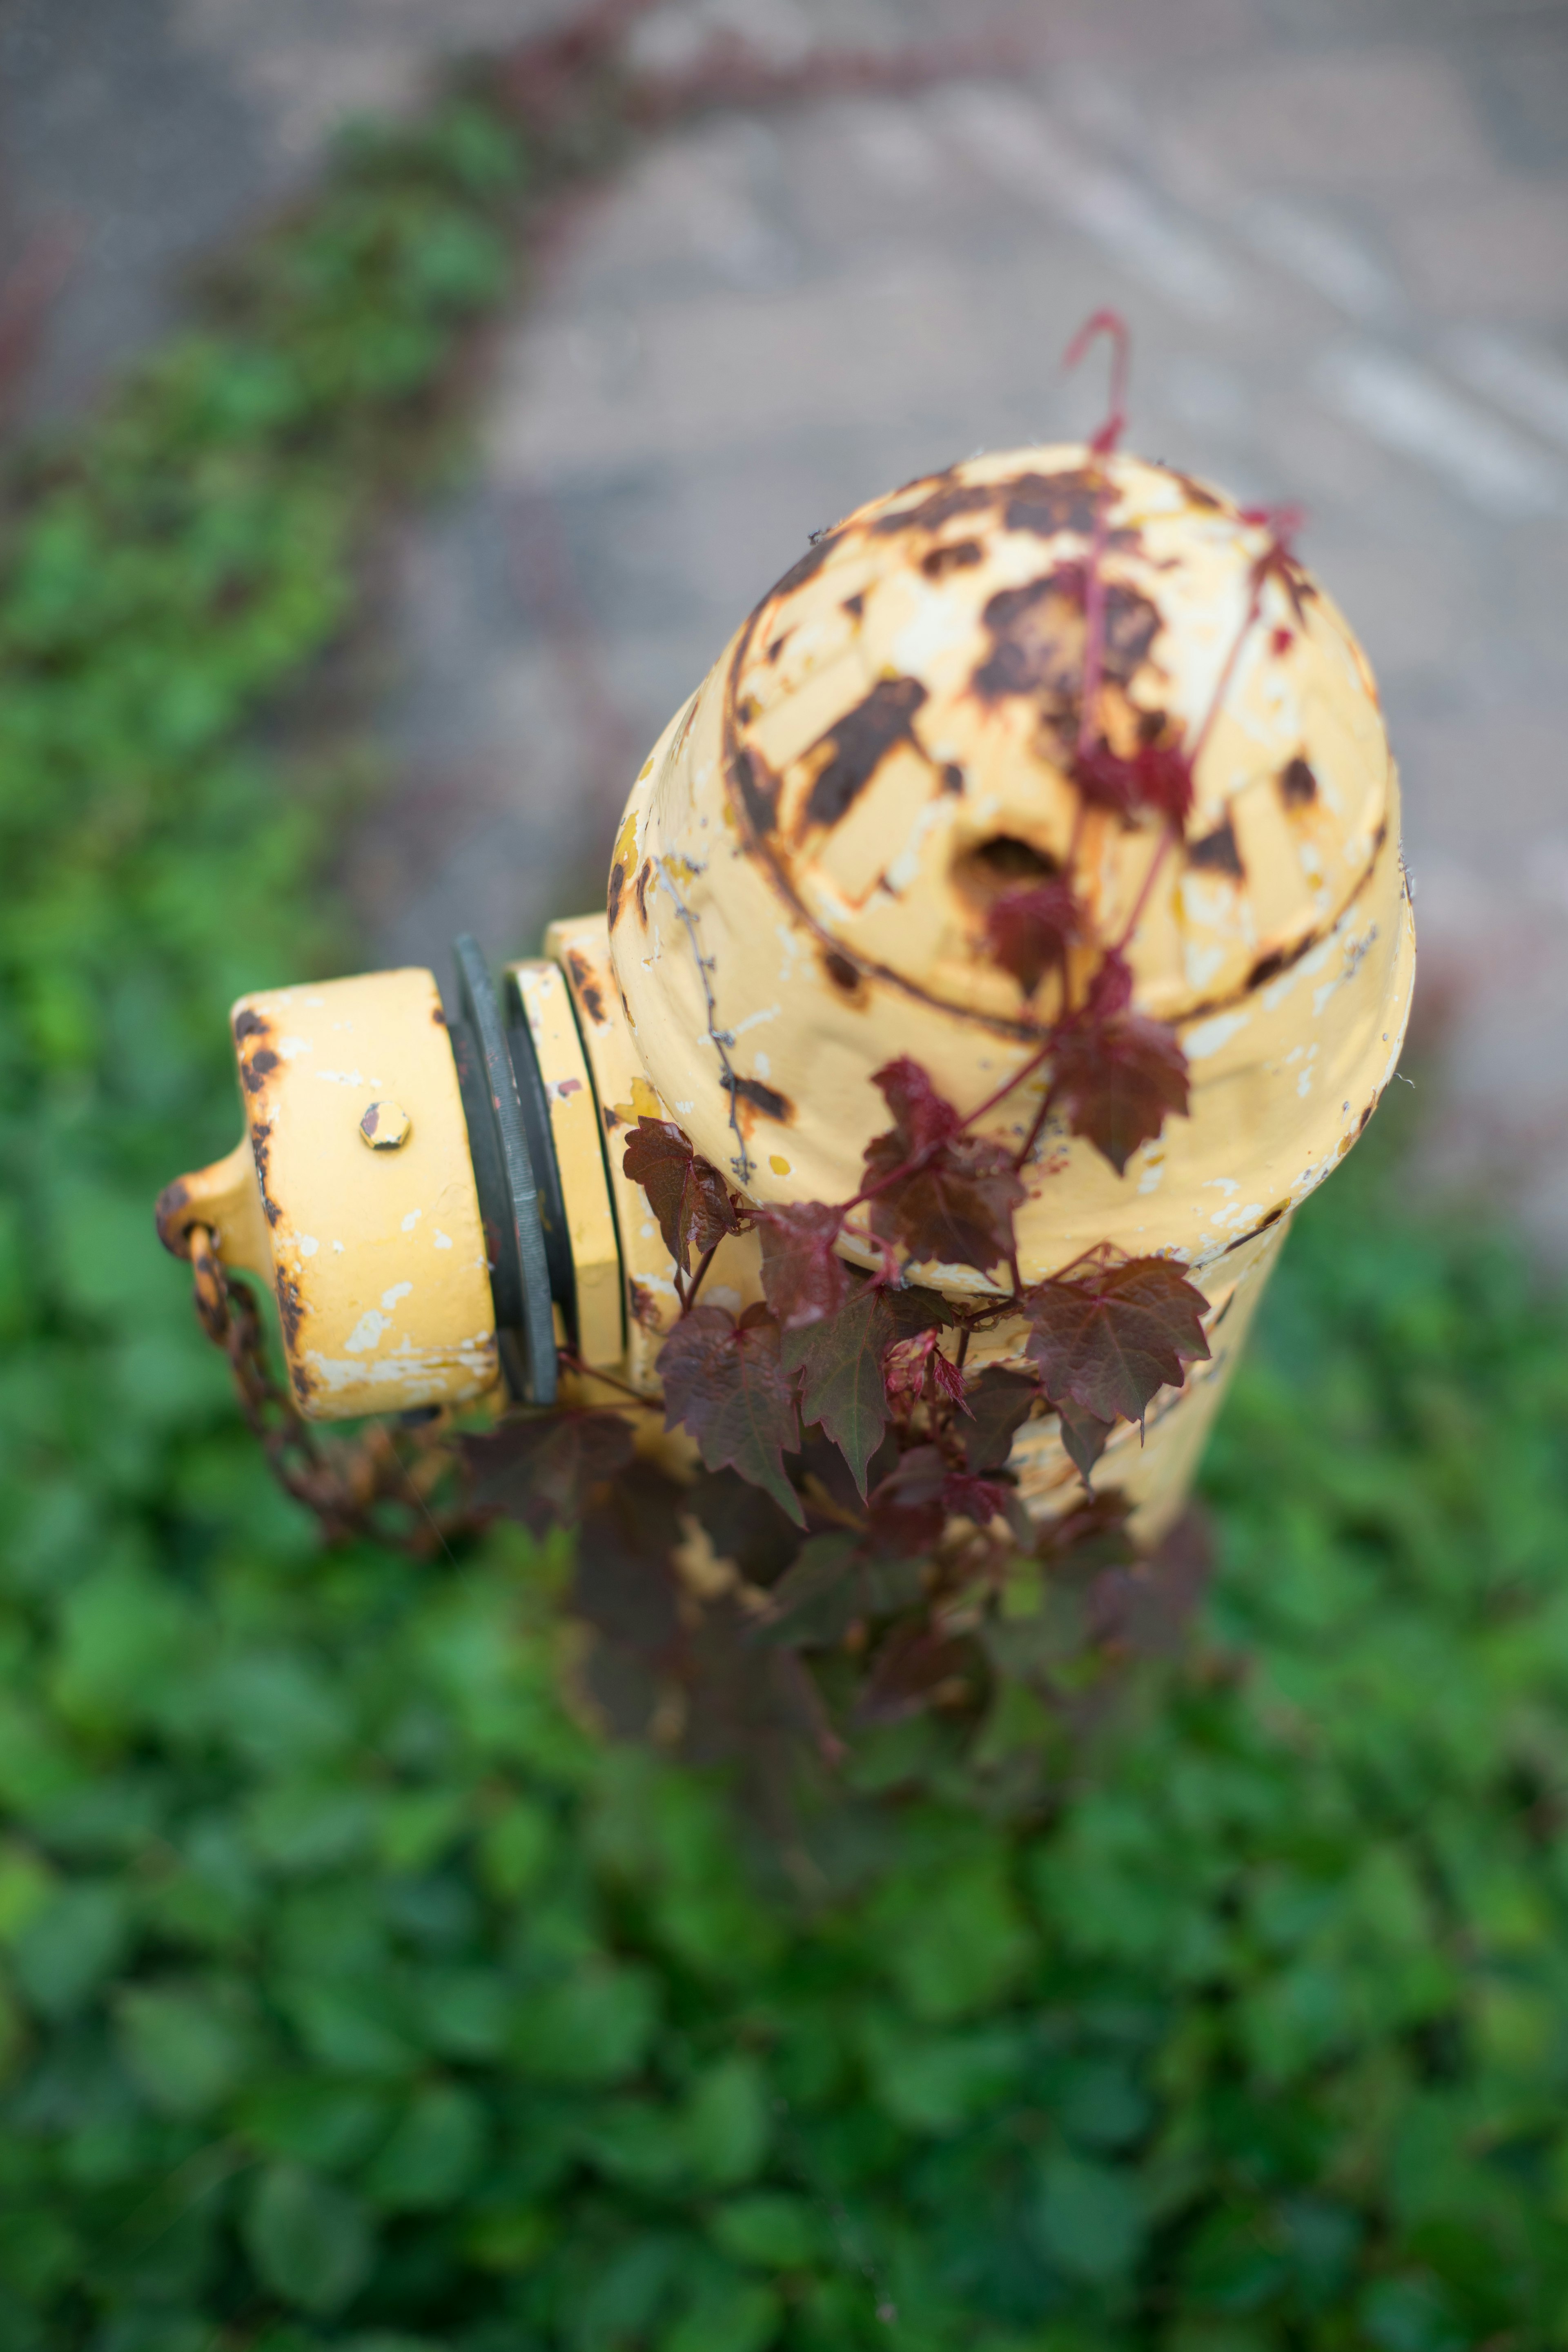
{"type": "Point", "coordinates": [365, 1485]}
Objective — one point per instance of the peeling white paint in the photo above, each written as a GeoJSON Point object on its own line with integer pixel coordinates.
{"type": "Point", "coordinates": [443, 1240]}
{"type": "Point", "coordinates": [307, 1244]}
{"type": "Point", "coordinates": [412, 1219]}
{"type": "Point", "coordinates": [389, 1298]}
{"type": "Point", "coordinates": [1208, 1037]}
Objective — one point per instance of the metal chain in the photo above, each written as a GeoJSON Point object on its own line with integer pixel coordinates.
{"type": "Point", "coordinates": [365, 1485]}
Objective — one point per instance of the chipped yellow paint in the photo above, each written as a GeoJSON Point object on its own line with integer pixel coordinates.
{"type": "Point", "coordinates": [580, 1156]}
{"type": "Point", "coordinates": [582, 948]}
{"type": "Point", "coordinates": [376, 1258]}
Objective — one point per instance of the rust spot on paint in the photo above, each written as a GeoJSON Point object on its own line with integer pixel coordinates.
{"type": "Point", "coordinates": [1038, 637]}
{"type": "Point", "coordinates": [767, 1099]}
{"type": "Point", "coordinates": [944, 499]}
{"type": "Point", "coordinates": [961, 555]}
{"type": "Point", "coordinates": [290, 1307]}
{"type": "Point", "coordinates": [1196, 495]}
{"type": "Point", "coordinates": [758, 790]}
{"type": "Point", "coordinates": [1298, 785]}
{"type": "Point", "coordinates": [842, 972]}
{"type": "Point", "coordinates": [170, 1201]}
{"type": "Point", "coordinates": [1240, 1243]}
{"type": "Point", "coordinates": [258, 1069]}
{"type": "Point", "coordinates": [809, 565]}
{"type": "Point", "coordinates": [778, 645]}
{"type": "Point", "coordinates": [249, 1025]}
{"type": "Point", "coordinates": [1216, 853]}
{"type": "Point", "coordinates": [952, 777]}
{"type": "Point", "coordinates": [645, 1305]}
{"type": "Point", "coordinates": [855, 605]}
{"type": "Point", "coordinates": [611, 1120]}
{"type": "Point", "coordinates": [586, 984]}
{"type": "Point", "coordinates": [438, 1017]}
{"type": "Point", "coordinates": [617, 884]}
{"type": "Point", "coordinates": [260, 1151]}
{"type": "Point", "coordinates": [858, 745]}
{"type": "Point", "coordinates": [644, 876]}
{"type": "Point", "coordinates": [1049, 503]}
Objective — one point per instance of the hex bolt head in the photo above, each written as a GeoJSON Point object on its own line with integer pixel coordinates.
{"type": "Point", "coordinates": [385, 1126]}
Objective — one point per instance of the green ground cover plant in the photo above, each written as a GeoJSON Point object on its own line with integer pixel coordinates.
{"type": "Point", "coordinates": [354, 1993]}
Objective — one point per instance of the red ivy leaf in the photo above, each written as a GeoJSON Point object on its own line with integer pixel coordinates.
{"type": "Point", "coordinates": [1156, 776]}
{"type": "Point", "coordinates": [944, 1195]}
{"type": "Point", "coordinates": [804, 1278]}
{"type": "Point", "coordinates": [1106, 1339]}
{"type": "Point", "coordinates": [1119, 1074]}
{"type": "Point", "coordinates": [843, 1392]}
{"type": "Point", "coordinates": [723, 1382]}
{"type": "Point", "coordinates": [907, 1512]}
{"type": "Point", "coordinates": [1084, 1435]}
{"type": "Point", "coordinates": [538, 1468]}
{"type": "Point", "coordinates": [980, 1499]}
{"type": "Point", "coordinates": [1028, 932]}
{"type": "Point", "coordinates": [998, 1403]}
{"type": "Point", "coordinates": [909, 1362]}
{"type": "Point", "coordinates": [910, 1667]}
{"type": "Point", "coordinates": [687, 1194]}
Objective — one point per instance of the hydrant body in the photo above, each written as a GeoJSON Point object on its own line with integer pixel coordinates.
{"type": "Point", "coordinates": [800, 893]}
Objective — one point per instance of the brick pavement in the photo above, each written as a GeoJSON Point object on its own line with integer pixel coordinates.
{"type": "Point", "coordinates": [1340, 235]}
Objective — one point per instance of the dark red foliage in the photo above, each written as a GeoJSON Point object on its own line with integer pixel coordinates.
{"type": "Point", "coordinates": [1113, 326]}
{"type": "Point", "coordinates": [1028, 932]}
{"type": "Point", "coordinates": [1106, 1339]}
{"type": "Point", "coordinates": [540, 1468]}
{"type": "Point", "coordinates": [724, 1384]}
{"type": "Point", "coordinates": [906, 1513]}
{"type": "Point", "coordinates": [998, 1403]}
{"type": "Point", "coordinates": [940, 1194]}
{"type": "Point", "coordinates": [915, 1368]}
{"type": "Point", "coordinates": [804, 1278]}
{"type": "Point", "coordinates": [922, 1118]}
{"type": "Point", "coordinates": [687, 1194]}
{"type": "Point", "coordinates": [840, 1365]}
{"type": "Point", "coordinates": [980, 1499]}
{"type": "Point", "coordinates": [1156, 776]}
{"type": "Point", "coordinates": [911, 1667]}
{"type": "Point", "coordinates": [1084, 1435]}
{"type": "Point", "coordinates": [1118, 1074]}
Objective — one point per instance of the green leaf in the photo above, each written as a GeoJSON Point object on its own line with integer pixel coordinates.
{"type": "Point", "coordinates": [309, 2241]}
{"type": "Point", "coordinates": [727, 2315]}
{"type": "Point", "coordinates": [728, 2122]}
{"type": "Point", "coordinates": [433, 2153]}
{"type": "Point", "coordinates": [187, 2048]}
{"type": "Point", "coordinates": [770, 2229]}
{"type": "Point", "coordinates": [593, 2029]}
{"type": "Point", "coordinates": [69, 1948]}
{"type": "Point", "coordinates": [1090, 2219]}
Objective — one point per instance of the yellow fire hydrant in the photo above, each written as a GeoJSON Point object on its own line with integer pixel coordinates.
{"type": "Point", "coordinates": [800, 891]}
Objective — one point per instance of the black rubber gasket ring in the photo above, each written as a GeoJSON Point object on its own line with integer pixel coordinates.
{"type": "Point", "coordinates": [481, 1012]}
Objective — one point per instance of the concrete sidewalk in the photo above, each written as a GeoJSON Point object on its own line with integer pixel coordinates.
{"type": "Point", "coordinates": [1340, 234]}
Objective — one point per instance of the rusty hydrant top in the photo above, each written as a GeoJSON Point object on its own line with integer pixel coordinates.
{"type": "Point", "coordinates": [801, 882]}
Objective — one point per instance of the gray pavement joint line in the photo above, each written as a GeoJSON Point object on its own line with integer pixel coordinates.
{"type": "Point", "coordinates": [1394, 400]}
